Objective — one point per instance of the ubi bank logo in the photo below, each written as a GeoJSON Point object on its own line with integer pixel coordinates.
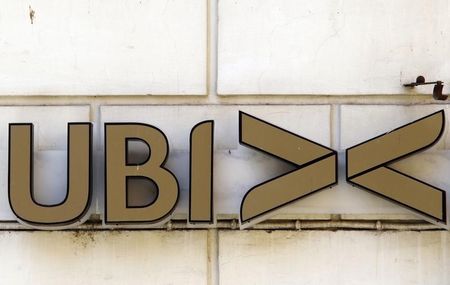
{"type": "Point", "coordinates": [367, 166]}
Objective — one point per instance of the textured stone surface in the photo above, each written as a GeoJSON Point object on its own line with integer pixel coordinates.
{"type": "Point", "coordinates": [90, 257]}
{"type": "Point", "coordinates": [330, 47]}
{"type": "Point", "coordinates": [103, 47]}
{"type": "Point", "coordinates": [326, 257]}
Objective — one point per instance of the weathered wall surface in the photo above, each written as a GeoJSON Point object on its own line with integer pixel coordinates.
{"type": "Point", "coordinates": [329, 70]}
{"type": "Point", "coordinates": [93, 257]}
{"type": "Point", "coordinates": [242, 257]}
{"type": "Point", "coordinates": [343, 257]}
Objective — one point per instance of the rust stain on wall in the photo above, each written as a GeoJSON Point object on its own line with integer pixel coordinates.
{"type": "Point", "coordinates": [31, 14]}
{"type": "Point", "coordinates": [84, 238]}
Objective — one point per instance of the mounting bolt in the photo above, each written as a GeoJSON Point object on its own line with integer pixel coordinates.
{"type": "Point", "coordinates": [437, 90]}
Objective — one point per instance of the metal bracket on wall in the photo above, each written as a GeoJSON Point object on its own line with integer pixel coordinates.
{"type": "Point", "coordinates": [437, 90]}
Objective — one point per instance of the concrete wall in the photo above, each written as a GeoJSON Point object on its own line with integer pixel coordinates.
{"type": "Point", "coordinates": [226, 257]}
{"type": "Point", "coordinates": [330, 70]}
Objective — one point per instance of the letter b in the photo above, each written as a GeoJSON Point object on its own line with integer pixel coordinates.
{"type": "Point", "coordinates": [118, 170]}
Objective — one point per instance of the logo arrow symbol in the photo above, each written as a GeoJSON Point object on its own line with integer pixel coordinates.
{"type": "Point", "coordinates": [367, 166]}
{"type": "Point", "coordinates": [316, 167]}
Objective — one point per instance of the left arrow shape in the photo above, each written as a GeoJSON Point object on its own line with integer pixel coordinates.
{"type": "Point", "coordinates": [367, 166]}
{"type": "Point", "coordinates": [316, 167]}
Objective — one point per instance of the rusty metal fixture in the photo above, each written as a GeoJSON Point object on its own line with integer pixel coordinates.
{"type": "Point", "coordinates": [437, 90]}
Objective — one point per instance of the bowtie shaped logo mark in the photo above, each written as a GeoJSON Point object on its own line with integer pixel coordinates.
{"type": "Point", "coordinates": [367, 167]}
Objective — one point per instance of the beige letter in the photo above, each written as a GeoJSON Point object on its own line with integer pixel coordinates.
{"type": "Point", "coordinates": [316, 166]}
{"type": "Point", "coordinates": [79, 166]}
{"type": "Point", "coordinates": [117, 170]}
{"type": "Point", "coordinates": [201, 173]}
{"type": "Point", "coordinates": [367, 166]}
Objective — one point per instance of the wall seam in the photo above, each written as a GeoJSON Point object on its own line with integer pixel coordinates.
{"type": "Point", "coordinates": [213, 257]}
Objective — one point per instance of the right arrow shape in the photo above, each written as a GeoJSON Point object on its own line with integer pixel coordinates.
{"type": "Point", "coordinates": [367, 166]}
{"type": "Point", "coordinates": [316, 167]}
